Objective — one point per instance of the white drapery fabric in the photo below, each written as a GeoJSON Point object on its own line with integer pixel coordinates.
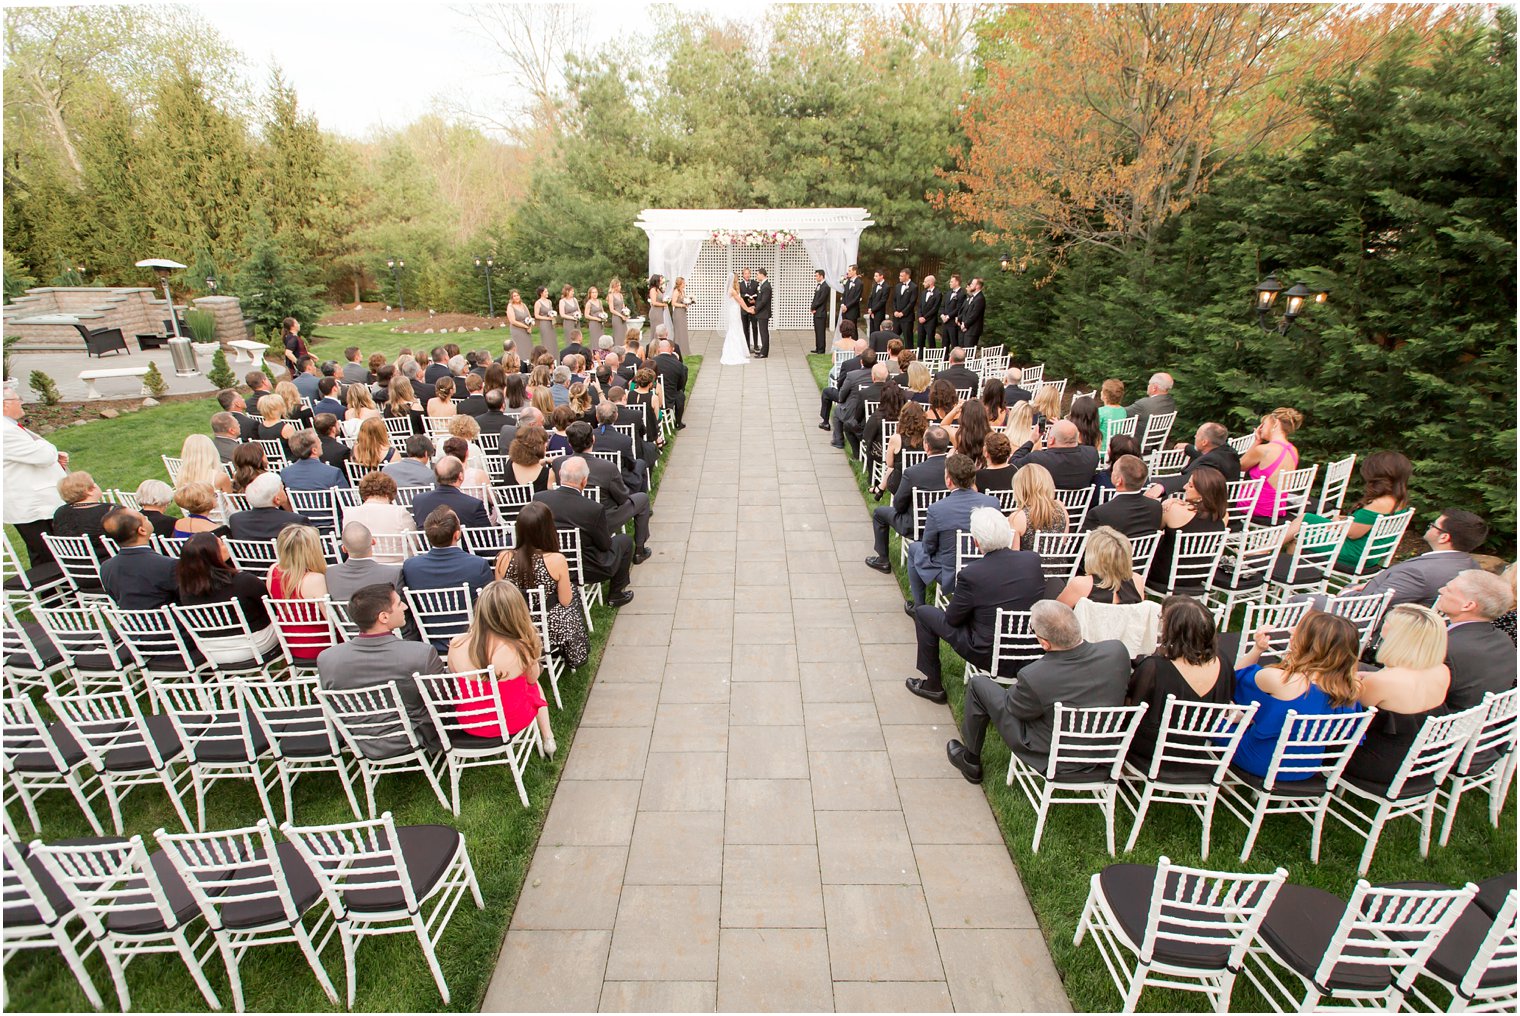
{"type": "Point", "coordinates": [674, 256]}
{"type": "Point", "coordinates": [833, 253]}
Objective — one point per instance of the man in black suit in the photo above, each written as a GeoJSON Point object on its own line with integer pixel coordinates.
{"type": "Point", "coordinates": [1073, 672]}
{"type": "Point", "coordinates": [669, 366]}
{"type": "Point", "coordinates": [904, 300]}
{"type": "Point", "coordinates": [446, 564]}
{"type": "Point", "coordinates": [449, 472]}
{"type": "Point", "coordinates": [225, 434]}
{"type": "Point", "coordinates": [959, 376]}
{"type": "Point", "coordinates": [232, 402]}
{"type": "Point", "coordinates": [474, 403]}
{"type": "Point", "coordinates": [645, 445]}
{"type": "Point", "coordinates": [1071, 465]}
{"type": "Point", "coordinates": [493, 419]}
{"type": "Point", "coordinates": [328, 400]}
{"type": "Point", "coordinates": [268, 513]}
{"type": "Point", "coordinates": [1210, 447]}
{"type": "Point", "coordinates": [820, 309]}
{"type": "Point", "coordinates": [604, 553]}
{"type": "Point", "coordinates": [763, 315]}
{"type": "Point", "coordinates": [849, 299]}
{"type": "Point", "coordinates": [927, 475]}
{"type": "Point", "coordinates": [1013, 390]}
{"type": "Point", "coordinates": [1000, 579]}
{"type": "Point", "coordinates": [747, 290]}
{"type": "Point", "coordinates": [622, 504]}
{"type": "Point", "coordinates": [439, 367]}
{"type": "Point", "coordinates": [634, 469]}
{"type": "Point", "coordinates": [927, 316]}
{"type": "Point", "coordinates": [1129, 511]}
{"type": "Point", "coordinates": [837, 377]}
{"type": "Point", "coordinates": [1481, 658]}
{"type": "Point", "coordinates": [853, 411]}
{"type": "Point", "coordinates": [972, 313]}
{"type": "Point", "coordinates": [876, 306]}
{"type": "Point", "coordinates": [574, 347]}
{"type": "Point", "coordinates": [848, 384]}
{"type": "Point", "coordinates": [136, 577]}
{"type": "Point", "coordinates": [950, 313]}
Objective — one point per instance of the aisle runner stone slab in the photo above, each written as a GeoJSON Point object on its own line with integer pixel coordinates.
{"type": "Point", "coordinates": [755, 814]}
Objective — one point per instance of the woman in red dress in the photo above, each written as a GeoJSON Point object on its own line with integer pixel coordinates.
{"type": "Point", "coordinates": [501, 635]}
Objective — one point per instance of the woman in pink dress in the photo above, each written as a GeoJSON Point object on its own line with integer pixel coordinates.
{"type": "Point", "coordinates": [502, 635]}
{"type": "Point", "coordinates": [1272, 455]}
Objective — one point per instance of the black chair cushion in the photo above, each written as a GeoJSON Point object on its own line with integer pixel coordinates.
{"type": "Point", "coordinates": [46, 651]}
{"type": "Point", "coordinates": [1491, 893]}
{"type": "Point", "coordinates": [1304, 577]}
{"type": "Point", "coordinates": [1379, 788]}
{"type": "Point", "coordinates": [147, 921]}
{"type": "Point", "coordinates": [306, 746]}
{"type": "Point", "coordinates": [229, 749]}
{"type": "Point", "coordinates": [304, 892]}
{"type": "Point", "coordinates": [251, 664]}
{"type": "Point", "coordinates": [427, 849]}
{"type": "Point", "coordinates": [468, 741]}
{"type": "Point", "coordinates": [135, 758]}
{"type": "Point", "coordinates": [27, 915]}
{"type": "Point", "coordinates": [32, 756]}
{"type": "Point", "coordinates": [41, 576]}
{"type": "Point", "coordinates": [1128, 888]}
{"type": "Point", "coordinates": [1298, 929]}
{"type": "Point", "coordinates": [1454, 956]}
{"type": "Point", "coordinates": [1314, 786]}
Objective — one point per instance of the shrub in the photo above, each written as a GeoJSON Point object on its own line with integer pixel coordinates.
{"type": "Point", "coordinates": [45, 387]}
{"type": "Point", "coordinates": [202, 325]}
{"type": "Point", "coordinates": [220, 375]}
{"type": "Point", "coordinates": [153, 382]}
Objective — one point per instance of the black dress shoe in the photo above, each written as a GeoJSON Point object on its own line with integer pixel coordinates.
{"type": "Point", "coordinates": [961, 759]}
{"type": "Point", "coordinates": [920, 687]}
{"type": "Point", "coordinates": [643, 555]}
{"type": "Point", "coordinates": [620, 599]}
{"type": "Point", "coordinates": [680, 426]}
{"type": "Point", "coordinates": [909, 607]}
{"type": "Point", "coordinates": [824, 425]}
{"type": "Point", "coordinates": [881, 564]}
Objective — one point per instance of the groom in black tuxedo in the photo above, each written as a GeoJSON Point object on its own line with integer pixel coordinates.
{"type": "Point", "coordinates": [820, 309]}
{"type": "Point", "coordinates": [849, 299]}
{"type": "Point", "coordinates": [747, 290]}
{"type": "Point", "coordinates": [762, 314]}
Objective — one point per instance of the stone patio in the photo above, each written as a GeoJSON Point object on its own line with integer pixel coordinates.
{"type": "Point", "coordinates": [756, 814]}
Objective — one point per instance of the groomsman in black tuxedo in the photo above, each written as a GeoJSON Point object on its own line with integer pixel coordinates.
{"type": "Point", "coordinates": [904, 299]}
{"type": "Point", "coordinates": [763, 314]}
{"type": "Point", "coordinates": [928, 313]}
{"type": "Point", "coordinates": [849, 300]}
{"type": "Point", "coordinates": [747, 289]}
{"type": "Point", "coordinates": [972, 312]}
{"type": "Point", "coordinates": [820, 308]}
{"type": "Point", "coordinates": [876, 309]}
{"type": "Point", "coordinates": [949, 314]}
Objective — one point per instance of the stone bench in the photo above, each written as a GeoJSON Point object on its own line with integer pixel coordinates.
{"type": "Point", "coordinates": [89, 377]}
{"type": "Point", "coordinates": [249, 351]}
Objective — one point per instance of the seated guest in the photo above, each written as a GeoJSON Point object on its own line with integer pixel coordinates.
{"type": "Point", "coordinates": [226, 435]}
{"type": "Point", "coordinates": [1119, 446]}
{"type": "Point", "coordinates": [460, 449]}
{"type": "Point", "coordinates": [84, 509]}
{"type": "Point", "coordinates": [467, 429]}
{"type": "Point", "coordinates": [373, 365]}
{"type": "Point", "coordinates": [932, 559]}
{"type": "Point", "coordinates": [1385, 491]}
{"type": "Point", "coordinates": [1505, 622]}
{"type": "Point", "coordinates": [200, 461]}
{"type": "Point", "coordinates": [377, 657]}
{"type": "Point", "coordinates": [622, 504]}
{"type": "Point", "coordinates": [1158, 399]}
{"type": "Point", "coordinates": [527, 416]}
{"type": "Point", "coordinates": [1036, 509]}
{"type": "Point", "coordinates": [1084, 416]}
{"type": "Point", "coordinates": [857, 375]}
{"type": "Point", "coordinates": [1110, 572]}
{"type": "Point", "coordinates": [474, 403]}
{"type": "Point", "coordinates": [1450, 538]}
{"type": "Point", "coordinates": [360, 569]}
{"type": "Point", "coordinates": [502, 635]}
{"type": "Point", "coordinates": [372, 448]}
{"type": "Point", "coordinates": [493, 419]}
{"type": "Point", "coordinates": [198, 502]}
{"type": "Point", "coordinates": [1186, 666]}
{"type": "Point", "coordinates": [379, 512]}
{"type": "Point", "coordinates": [446, 494]}
{"type": "Point", "coordinates": [525, 459]}
{"type": "Point", "coordinates": [604, 553]}
{"type": "Point", "coordinates": [1129, 510]}
{"type": "Point", "coordinates": [898, 516]}
{"type": "Point", "coordinates": [887, 411]}
{"type": "Point", "coordinates": [645, 445]}
{"type": "Point", "coordinates": [911, 426]}
{"type": "Point", "coordinates": [441, 405]}
{"type": "Point", "coordinates": [299, 572]}
{"type": "Point", "coordinates": [971, 428]}
{"type": "Point", "coordinates": [535, 562]}
{"type": "Point", "coordinates": [956, 372]}
{"type": "Point", "coordinates": [562, 417]}
{"type": "Point", "coordinates": [919, 379]}
{"type": "Point", "coordinates": [1014, 391]}
{"type": "Point", "coordinates": [204, 574]}
{"type": "Point", "coordinates": [306, 470]}
{"type": "Point", "coordinates": [327, 399]}
{"type": "Point", "coordinates": [1112, 395]}
{"type": "Point", "coordinates": [559, 385]}
{"type": "Point", "coordinates": [402, 403]}
{"type": "Point", "coordinates": [295, 411]}
{"type": "Point", "coordinates": [1201, 509]}
{"type": "Point", "coordinates": [232, 402]}
{"type": "Point", "coordinates": [153, 497]}
{"type": "Point", "coordinates": [853, 412]}
{"type": "Point", "coordinates": [1210, 449]}
{"type": "Point", "coordinates": [1020, 427]}
{"type": "Point", "coordinates": [1410, 687]}
{"type": "Point", "coordinates": [354, 370]}
{"type": "Point", "coordinates": [997, 474]}
{"type": "Point", "coordinates": [994, 402]}
{"type": "Point", "coordinates": [1269, 459]}
{"type": "Point", "coordinates": [446, 564]}
{"type": "Point", "coordinates": [136, 577]}
{"type": "Point", "coordinates": [359, 406]}
{"type": "Point", "coordinates": [635, 471]}
{"type": "Point", "coordinates": [1047, 409]}
{"type": "Point", "coordinates": [416, 470]}
{"type": "Point", "coordinates": [1481, 657]}
{"type": "Point", "coordinates": [1000, 579]}
{"type": "Point", "coordinates": [334, 452]}
{"type": "Point", "coordinates": [305, 378]}
{"type": "Point", "coordinates": [1318, 675]}
{"type": "Point", "coordinates": [273, 424]}
{"type": "Point", "coordinates": [942, 401]}
{"type": "Point", "coordinates": [1073, 673]}
{"type": "Point", "coordinates": [1071, 465]}
{"type": "Point", "coordinates": [268, 513]}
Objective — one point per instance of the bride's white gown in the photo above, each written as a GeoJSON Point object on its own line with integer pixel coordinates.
{"type": "Point", "coordinates": [735, 348]}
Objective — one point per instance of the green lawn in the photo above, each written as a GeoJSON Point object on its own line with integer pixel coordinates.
{"type": "Point", "coordinates": [1056, 878]}
{"type": "Point", "coordinates": [392, 974]}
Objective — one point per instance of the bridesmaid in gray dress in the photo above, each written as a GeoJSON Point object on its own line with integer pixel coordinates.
{"type": "Point", "coordinates": [569, 311]}
{"type": "Point", "coordinates": [619, 311]}
{"type": "Point", "coordinates": [678, 304]}
{"type": "Point", "coordinates": [657, 304]}
{"type": "Point", "coordinates": [520, 324]}
{"type": "Point", "coordinates": [596, 317]}
{"type": "Point", "coordinates": [543, 312]}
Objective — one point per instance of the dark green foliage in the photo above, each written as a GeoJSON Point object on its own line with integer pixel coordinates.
{"type": "Point", "coordinates": [271, 289]}
{"type": "Point", "coordinates": [17, 281]}
{"type": "Point", "coordinates": [220, 375]}
{"type": "Point", "coordinates": [202, 325]}
{"type": "Point", "coordinates": [45, 387]}
{"type": "Point", "coordinates": [153, 382]}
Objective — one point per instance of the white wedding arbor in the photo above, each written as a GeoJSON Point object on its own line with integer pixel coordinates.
{"type": "Point", "coordinates": [681, 244]}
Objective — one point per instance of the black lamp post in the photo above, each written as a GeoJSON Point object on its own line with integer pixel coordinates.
{"type": "Point", "coordinates": [1298, 295]}
{"type": "Point", "coordinates": [396, 265]}
{"type": "Point", "coordinates": [485, 264]}
{"type": "Point", "coordinates": [211, 283]}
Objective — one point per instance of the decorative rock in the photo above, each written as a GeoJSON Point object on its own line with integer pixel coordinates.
{"type": "Point", "coordinates": [109, 414]}
{"type": "Point", "coordinates": [149, 402]}
{"type": "Point", "coordinates": [475, 329]}
{"type": "Point", "coordinates": [79, 423]}
{"type": "Point", "coordinates": [428, 332]}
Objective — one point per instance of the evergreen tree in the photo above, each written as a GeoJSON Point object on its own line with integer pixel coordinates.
{"type": "Point", "coordinates": [272, 289]}
{"type": "Point", "coordinates": [220, 375]}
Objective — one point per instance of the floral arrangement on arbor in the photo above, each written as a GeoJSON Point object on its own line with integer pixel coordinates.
{"type": "Point", "coordinates": [752, 238]}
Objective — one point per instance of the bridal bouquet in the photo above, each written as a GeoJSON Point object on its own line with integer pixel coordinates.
{"type": "Point", "coordinates": [752, 238]}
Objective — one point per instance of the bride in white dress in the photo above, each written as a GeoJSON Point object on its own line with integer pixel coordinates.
{"type": "Point", "coordinates": [735, 348]}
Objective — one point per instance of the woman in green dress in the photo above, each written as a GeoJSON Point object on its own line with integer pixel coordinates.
{"type": "Point", "coordinates": [1385, 490]}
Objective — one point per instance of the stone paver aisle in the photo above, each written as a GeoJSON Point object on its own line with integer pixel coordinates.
{"type": "Point", "coordinates": [756, 814]}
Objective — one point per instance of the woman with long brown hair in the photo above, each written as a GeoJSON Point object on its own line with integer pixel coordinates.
{"type": "Point", "coordinates": [248, 464]}
{"type": "Point", "coordinates": [1202, 508]}
{"type": "Point", "coordinates": [525, 459]}
{"type": "Point", "coordinates": [372, 448]}
{"type": "Point", "coordinates": [502, 636]}
{"type": "Point", "coordinates": [911, 424]}
{"type": "Point", "coordinates": [1385, 490]}
{"type": "Point", "coordinates": [535, 562]}
{"type": "Point", "coordinates": [401, 403]}
{"type": "Point", "coordinates": [942, 401]}
{"type": "Point", "coordinates": [972, 430]}
{"type": "Point", "coordinates": [360, 406]}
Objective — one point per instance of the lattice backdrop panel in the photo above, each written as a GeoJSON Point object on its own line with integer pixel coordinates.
{"type": "Point", "coordinates": [791, 275]}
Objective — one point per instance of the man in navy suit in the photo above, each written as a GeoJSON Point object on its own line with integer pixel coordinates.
{"type": "Point", "coordinates": [439, 367]}
{"type": "Point", "coordinates": [932, 559]}
{"type": "Point", "coordinates": [136, 577]}
{"type": "Point", "coordinates": [306, 377]}
{"type": "Point", "coordinates": [470, 510]}
{"type": "Point", "coordinates": [308, 471]}
{"type": "Point", "coordinates": [927, 475]}
{"type": "Point", "coordinates": [446, 563]}
{"type": "Point", "coordinates": [1000, 579]}
{"type": "Point", "coordinates": [327, 402]}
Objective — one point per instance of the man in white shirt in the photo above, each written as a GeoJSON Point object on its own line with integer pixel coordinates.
{"type": "Point", "coordinates": [32, 469]}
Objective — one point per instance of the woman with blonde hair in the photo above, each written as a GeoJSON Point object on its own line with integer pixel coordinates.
{"type": "Point", "coordinates": [1110, 571]}
{"type": "Point", "coordinates": [468, 428]}
{"type": "Point", "coordinates": [540, 376]}
{"type": "Point", "coordinates": [1047, 405]}
{"type": "Point", "coordinates": [273, 425]}
{"type": "Point", "coordinates": [919, 380]}
{"type": "Point", "coordinates": [502, 637]}
{"type": "Point", "coordinates": [361, 406]}
{"type": "Point", "coordinates": [596, 317]}
{"type": "Point", "coordinates": [1318, 675]}
{"type": "Point", "coordinates": [372, 448]}
{"type": "Point", "coordinates": [197, 500]}
{"type": "Point", "coordinates": [441, 405]}
{"type": "Point", "coordinates": [1271, 456]}
{"type": "Point", "coordinates": [299, 572]}
{"type": "Point", "coordinates": [580, 401]}
{"type": "Point", "coordinates": [1038, 511]}
{"type": "Point", "coordinates": [200, 462]}
{"type": "Point", "coordinates": [1020, 425]}
{"type": "Point", "coordinates": [295, 409]}
{"type": "Point", "coordinates": [1409, 688]}
{"type": "Point", "coordinates": [542, 401]}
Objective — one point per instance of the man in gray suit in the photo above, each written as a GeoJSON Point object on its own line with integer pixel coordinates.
{"type": "Point", "coordinates": [1075, 673]}
{"type": "Point", "coordinates": [354, 370]}
{"type": "Point", "coordinates": [1158, 399]}
{"type": "Point", "coordinates": [1481, 658]}
{"type": "Point", "coordinates": [361, 569]}
{"type": "Point", "coordinates": [858, 378]}
{"type": "Point", "coordinates": [226, 434]}
{"type": "Point", "coordinates": [379, 657]}
{"type": "Point", "coordinates": [1451, 539]}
